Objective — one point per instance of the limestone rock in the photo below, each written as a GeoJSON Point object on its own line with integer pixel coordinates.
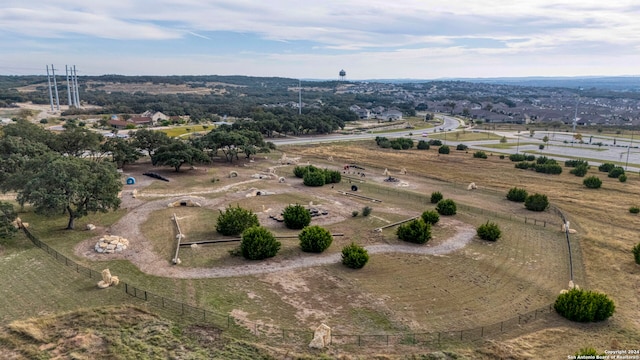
{"type": "Point", "coordinates": [90, 227]}
{"type": "Point", "coordinates": [108, 280]}
{"type": "Point", "coordinates": [321, 337]}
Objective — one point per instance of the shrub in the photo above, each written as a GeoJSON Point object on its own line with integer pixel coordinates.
{"type": "Point", "coordinates": [606, 167]}
{"type": "Point", "coordinates": [524, 165]}
{"type": "Point", "coordinates": [332, 176]}
{"type": "Point", "coordinates": [530, 157]}
{"type": "Point", "coordinates": [300, 171]}
{"type": "Point", "coordinates": [584, 305]}
{"type": "Point", "coordinates": [517, 157]}
{"type": "Point", "coordinates": [480, 155]}
{"type": "Point", "coordinates": [423, 145]}
{"type": "Point", "coordinates": [354, 256]}
{"type": "Point", "coordinates": [542, 160]}
{"type": "Point", "coordinates": [636, 253]}
{"type": "Point", "coordinates": [575, 163]}
{"type": "Point", "coordinates": [430, 217]}
{"type": "Point", "coordinates": [623, 178]}
{"type": "Point", "coordinates": [462, 147]}
{"type": "Point", "coordinates": [616, 172]}
{"type": "Point", "coordinates": [355, 213]}
{"type": "Point", "coordinates": [580, 170]}
{"type": "Point", "coordinates": [548, 168]}
{"type": "Point", "coordinates": [313, 178]}
{"type": "Point", "coordinates": [489, 231]}
{"type": "Point", "coordinates": [315, 239]}
{"type": "Point", "coordinates": [536, 202]}
{"type": "Point", "coordinates": [444, 149]}
{"type": "Point", "coordinates": [592, 182]}
{"type": "Point", "coordinates": [541, 146]}
{"type": "Point", "coordinates": [446, 207]}
{"type": "Point", "coordinates": [634, 209]}
{"type": "Point", "coordinates": [258, 243]}
{"type": "Point", "coordinates": [435, 142]}
{"type": "Point", "coordinates": [44, 121]}
{"type": "Point", "coordinates": [366, 211]}
{"type": "Point", "coordinates": [296, 216]}
{"type": "Point", "coordinates": [436, 196]}
{"type": "Point", "coordinates": [501, 157]}
{"type": "Point", "coordinates": [415, 231]}
{"type": "Point", "coordinates": [517, 194]}
{"type": "Point", "coordinates": [586, 352]}
{"type": "Point", "coordinates": [235, 220]}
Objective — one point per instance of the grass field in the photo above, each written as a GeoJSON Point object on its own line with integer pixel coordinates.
{"type": "Point", "coordinates": [482, 284]}
{"type": "Point", "coordinates": [464, 136]}
{"type": "Point", "coordinates": [176, 131]}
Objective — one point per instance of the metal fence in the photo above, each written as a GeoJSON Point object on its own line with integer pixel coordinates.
{"type": "Point", "coordinates": [303, 336]}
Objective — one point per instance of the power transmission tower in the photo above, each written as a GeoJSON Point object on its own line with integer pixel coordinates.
{"type": "Point", "coordinates": [66, 69]}
{"type": "Point", "coordinates": [49, 86]}
{"type": "Point", "coordinates": [77, 94]}
{"type": "Point", "coordinates": [55, 86]}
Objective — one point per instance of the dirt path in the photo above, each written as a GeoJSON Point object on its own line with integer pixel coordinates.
{"type": "Point", "coordinates": [140, 252]}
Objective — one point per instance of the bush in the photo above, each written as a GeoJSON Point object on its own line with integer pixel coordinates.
{"type": "Point", "coordinates": [415, 231]}
{"type": "Point", "coordinates": [501, 157]}
{"type": "Point", "coordinates": [366, 211]}
{"type": "Point", "coordinates": [423, 145]}
{"type": "Point", "coordinates": [548, 168]}
{"type": "Point", "coordinates": [616, 172]}
{"type": "Point", "coordinates": [592, 182]}
{"type": "Point", "coordinates": [355, 213]}
{"type": "Point", "coordinates": [258, 243]}
{"type": "Point", "coordinates": [44, 121]}
{"type": "Point", "coordinates": [517, 157]}
{"type": "Point", "coordinates": [634, 209]}
{"type": "Point", "coordinates": [332, 176]}
{"type": "Point", "coordinates": [436, 196]}
{"type": "Point", "coordinates": [541, 146]}
{"type": "Point", "coordinates": [235, 220]}
{"type": "Point", "coordinates": [354, 256]}
{"type": "Point", "coordinates": [300, 171]}
{"type": "Point", "coordinates": [517, 194]}
{"type": "Point", "coordinates": [313, 178]}
{"type": "Point", "coordinates": [575, 163]}
{"type": "Point", "coordinates": [636, 253]}
{"type": "Point", "coordinates": [430, 217]}
{"type": "Point", "coordinates": [606, 167]}
{"type": "Point", "coordinates": [435, 142]}
{"type": "Point", "coordinates": [480, 155]}
{"type": "Point", "coordinates": [444, 149]}
{"type": "Point", "coordinates": [524, 165]}
{"type": "Point", "coordinates": [315, 239]}
{"type": "Point", "coordinates": [489, 231]}
{"type": "Point", "coordinates": [446, 207]}
{"type": "Point", "coordinates": [296, 216]}
{"type": "Point", "coordinates": [462, 147]}
{"type": "Point", "coordinates": [536, 202]}
{"type": "Point", "coordinates": [530, 157]}
{"type": "Point", "coordinates": [580, 170]}
{"type": "Point", "coordinates": [623, 178]}
{"type": "Point", "coordinates": [586, 352]}
{"type": "Point", "coordinates": [542, 160]}
{"type": "Point", "coordinates": [584, 305]}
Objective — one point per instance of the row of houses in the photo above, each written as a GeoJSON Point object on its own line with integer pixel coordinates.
{"type": "Point", "coordinates": [376, 113]}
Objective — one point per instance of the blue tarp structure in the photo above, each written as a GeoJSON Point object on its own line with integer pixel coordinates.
{"type": "Point", "coordinates": [131, 181]}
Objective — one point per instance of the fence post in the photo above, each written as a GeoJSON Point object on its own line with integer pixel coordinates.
{"type": "Point", "coordinates": [228, 321]}
{"type": "Point", "coordinates": [518, 318]}
{"type": "Point", "coordinates": [501, 324]}
{"type": "Point", "coordinates": [145, 295]}
{"type": "Point", "coordinates": [482, 331]}
{"type": "Point", "coordinates": [358, 340]}
{"type": "Point", "coordinates": [545, 223]}
{"type": "Point", "coordinates": [387, 339]}
{"type": "Point", "coordinates": [535, 316]}
{"type": "Point", "coordinates": [126, 286]}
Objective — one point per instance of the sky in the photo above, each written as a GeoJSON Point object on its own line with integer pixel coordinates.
{"type": "Point", "coordinates": [315, 39]}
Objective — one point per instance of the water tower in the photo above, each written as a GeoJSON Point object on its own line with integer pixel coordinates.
{"type": "Point", "coordinates": [342, 74]}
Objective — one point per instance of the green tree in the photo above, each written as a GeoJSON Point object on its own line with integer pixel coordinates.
{"type": "Point", "coordinates": [258, 243]}
{"type": "Point", "coordinates": [235, 220]}
{"type": "Point", "coordinates": [178, 153]}
{"type": "Point", "coordinates": [517, 194]}
{"type": "Point", "coordinates": [446, 207]}
{"type": "Point", "coordinates": [489, 231]}
{"type": "Point", "coordinates": [150, 140]}
{"type": "Point", "coordinates": [415, 231]}
{"type": "Point", "coordinates": [73, 185]}
{"type": "Point", "coordinates": [584, 305]}
{"type": "Point", "coordinates": [122, 151]}
{"type": "Point", "coordinates": [536, 202]}
{"type": "Point", "coordinates": [314, 178]}
{"type": "Point", "coordinates": [18, 158]}
{"type": "Point", "coordinates": [315, 239]}
{"type": "Point", "coordinates": [592, 182]}
{"type": "Point", "coordinates": [296, 217]}
{"type": "Point", "coordinates": [77, 141]}
{"type": "Point", "coordinates": [7, 216]}
{"type": "Point", "coordinates": [435, 197]}
{"type": "Point", "coordinates": [354, 256]}
{"type": "Point", "coordinates": [430, 217]}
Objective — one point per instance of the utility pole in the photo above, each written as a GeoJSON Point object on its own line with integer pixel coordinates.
{"type": "Point", "coordinates": [55, 86]}
{"type": "Point", "coordinates": [66, 70]}
{"type": "Point", "coordinates": [50, 94]}
{"type": "Point", "coordinates": [626, 165]}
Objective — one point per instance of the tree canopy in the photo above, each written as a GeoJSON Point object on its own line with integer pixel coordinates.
{"type": "Point", "coordinates": [72, 185]}
{"type": "Point", "coordinates": [178, 153]}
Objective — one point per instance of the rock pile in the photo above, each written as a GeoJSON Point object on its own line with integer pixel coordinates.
{"type": "Point", "coordinates": [321, 337]}
{"type": "Point", "coordinates": [110, 244]}
{"type": "Point", "coordinates": [108, 280]}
